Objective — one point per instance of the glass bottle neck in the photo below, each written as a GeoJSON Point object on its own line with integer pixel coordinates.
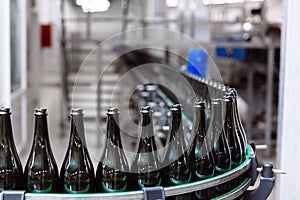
{"type": "Point", "coordinates": [41, 128]}
{"type": "Point", "coordinates": [146, 126]}
{"type": "Point", "coordinates": [147, 140]}
{"type": "Point", "coordinates": [176, 129]}
{"type": "Point", "coordinates": [235, 108]}
{"type": "Point", "coordinates": [77, 129]}
{"type": "Point", "coordinates": [113, 130]}
{"type": "Point", "coordinates": [229, 111]}
{"type": "Point", "coordinates": [202, 121]}
{"type": "Point", "coordinates": [217, 115]}
{"type": "Point", "coordinates": [5, 127]}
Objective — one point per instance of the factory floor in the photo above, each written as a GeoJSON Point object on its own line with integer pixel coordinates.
{"type": "Point", "coordinates": [50, 97]}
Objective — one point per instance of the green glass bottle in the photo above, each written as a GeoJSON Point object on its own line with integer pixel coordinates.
{"type": "Point", "coordinates": [239, 127]}
{"type": "Point", "coordinates": [176, 154]}
{"type": "Point", "coordinates": [202, 160]}
{"type": "Point", "coordinates": [221, 151]}
{"type": "Point", "coordinates": [77, 172]}
{"type": "Point", "coordinates": [11, 171]}
{"type": "Point", "coordinates": [231, 133]}
{"type": "Point", "coordinates": [41, 172]}
{"type": "Point", "coordinates": [145, 166]}
{"type": "Point", "coordinates": [113, 168]}
{"type": "Point", "coordinates": [176, 157]}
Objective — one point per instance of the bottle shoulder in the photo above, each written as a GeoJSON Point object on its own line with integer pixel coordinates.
{"type": "Point", "coordinates": [145, 162]}
{"type": "Point", "coordinates": [174, 150]}
{"type": "Point", "coordinates": [77, 159]}
{"type": "Point", "coordinates": [9, 156]}
{"type": "Point", "coordinates": [41, 161]}
{"type": "Point", "coordinates": [114, 158]}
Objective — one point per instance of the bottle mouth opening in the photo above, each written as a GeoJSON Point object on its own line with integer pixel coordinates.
{"type": "Point", "coordinates": [228, 98]}
{"type": "Point", "coordinates": [40, 111]}
{"type": "Point", "coordinates": [146, 109]}
{"type": "Point", "coordinates": [76, 111]}
{"type": "Point", "coordinates": [150, 87]}
{"type": "Point", "coordinates": [112, 111]}
{"type": "Point", "coordinates": [199, 105]}
{"type": "Point", "coordinates": [4, 110]}
{"type": "Point", "coordinates": [217, 101]}
{"type": "Point", "coordinates": [176, 108]}
{"type": "Point", "coordinates": [232, 92]}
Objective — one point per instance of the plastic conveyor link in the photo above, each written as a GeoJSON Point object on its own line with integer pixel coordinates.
{"type": "Point", "coordinates": [13, 195]}
{"type": "Point", "coordinates": [265, 187]}
{"type": "Point", "coordinates": [153, 193]}
{"type": "Point", "coordinates": [160, 192]}
{"type": "Point", "coordinates": [253, 173]}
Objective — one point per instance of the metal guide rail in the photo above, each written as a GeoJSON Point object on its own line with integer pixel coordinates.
{"type": "Point", "coordinates": [167, 191]}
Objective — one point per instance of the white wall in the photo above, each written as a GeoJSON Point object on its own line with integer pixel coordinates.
{"type": "Point", "coordinates": [274, 11]}
{"type": "Point", "coordinates": [289, 108]}
{"type": "Point", "coordinates": [5, 53]}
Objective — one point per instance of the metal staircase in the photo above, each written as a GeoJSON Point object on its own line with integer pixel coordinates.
{"type": "Point", "coordinates": [90, 82]}
{"type": "Point", "coordinates": [91, 69]}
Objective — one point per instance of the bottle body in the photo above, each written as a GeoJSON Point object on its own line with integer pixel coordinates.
{"type": "Point", "coordinates": [231, 133]}
{"type": "Point", "coordinates": [201, 154]}
{"type": "Point", "coordinates": [145, 165]}
{"type": "Point", "coordinates": [239, 127]}
{"type": "Point", "coordinates": [41, 172]}
{"type": "Point", "coordinates": [11, 171]}
{"type": "Point", "coordinates": [176, 158]}
{"type": "Point", "coordinates": [77, 172]}
{"type": "Point", "coordinates": [177, 168]}
{"type": "Point", "coordinates": [221, 151]}
{"type": "Point", "coordinates": [113, 168]}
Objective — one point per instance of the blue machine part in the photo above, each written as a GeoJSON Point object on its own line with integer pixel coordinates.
{"type": "Point", "coordinates": [239, 53]}
{"type": "Point", "coordinates": [197, 62]}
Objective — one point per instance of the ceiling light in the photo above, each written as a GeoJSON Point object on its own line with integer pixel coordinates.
{"type": "Point", "coordinates": [234, 1]}
{"type": "Point", "coordinates": [208, 2]}
{"type": "Point", "coordinates": [219, 1]}
{"type": "Point", "coordinates": [95, 5]}
{"type": "Point", "coordinates": [172, 3]}
{"type": "Point", "coordinates": [247, 26]}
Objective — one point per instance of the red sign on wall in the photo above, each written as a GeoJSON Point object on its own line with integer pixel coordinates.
{"type": "Point", "coordinates": [46, 35]}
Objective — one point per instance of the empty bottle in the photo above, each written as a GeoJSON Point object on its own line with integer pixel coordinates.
{"type": "Point", "coordinates": [221, 151]}
{"type": "Point", "coordinates": [176, 155]}
{"type": "Point", "coordinates": [144, 169]}
{"type": "Point", "coordinates": [240, 129]}
{"type": "Point", "coordinates": [112, 171]}
{"type": "Point", "coordinates": [11, 172]}
{"type": "Point", "coordinates": [201, 153]}
{"type": "Point", "coordinates": [231, 133]}
{"type": "Point", "coordinates": [41, 172]}
{"type": "Point", "coordinates": [177, 168]}
{"type": "Point", "coordinates": [77, 172]}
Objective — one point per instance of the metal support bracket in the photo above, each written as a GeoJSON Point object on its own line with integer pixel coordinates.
{"type": "Point", "coordinates": [13, 195]}
{"type": "Point", "coordinates": [153, 193]}
{"type": "Point", "coordinates": [253, 173]}
{"type": "Point", "coordinates": [253, 169]}
{"type": "Point", "coordinates": [267, 181]}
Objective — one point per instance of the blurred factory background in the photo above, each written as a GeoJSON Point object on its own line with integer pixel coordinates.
{"type": "Point", "coordinates": [60, 54]}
